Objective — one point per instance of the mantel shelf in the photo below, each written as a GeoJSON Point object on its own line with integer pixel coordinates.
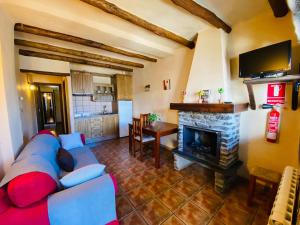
{"type": "Point", "coordinates": [295, 79]}
{"type": "Point", "coordinates": [210, 108]}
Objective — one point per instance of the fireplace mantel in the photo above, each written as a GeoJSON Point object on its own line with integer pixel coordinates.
{"type": "Point", "coordinates": [210, 108]}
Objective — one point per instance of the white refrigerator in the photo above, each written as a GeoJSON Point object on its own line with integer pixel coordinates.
{"type": "Point", "coordinates": [125, 117]}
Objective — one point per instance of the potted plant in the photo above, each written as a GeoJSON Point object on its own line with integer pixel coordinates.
{"type": "Point", "coordinates": [221, 91]}
{"type": "Point", "coordinates": [152, 118]}
{"type": "Point", "coordinates": [200, 94]}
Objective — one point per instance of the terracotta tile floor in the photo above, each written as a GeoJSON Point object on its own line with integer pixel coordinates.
{"type": "Point", "coordinates": [149, 196]}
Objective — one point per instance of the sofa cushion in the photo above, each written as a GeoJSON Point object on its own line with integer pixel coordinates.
{"type": "Point", "coordinates": [65, 160]}
{"type": "Point", "coordinates": [30, 187]}
{"type": "Point", "coordinates": [4, 201]}
{"type": "Point", "coordinates": [34, 163]}
{"type": "Point", "coordinates": [43, 145]}
{"type": "Point", "coordinates": [69, 141]}
{"type": "Point", "coordinates": [82, 175]}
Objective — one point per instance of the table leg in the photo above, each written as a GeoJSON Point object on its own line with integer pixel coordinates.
{"type": "Point", "coordinates": [130, 140]}
{"type": "Point", "coordinates": [157, 151]}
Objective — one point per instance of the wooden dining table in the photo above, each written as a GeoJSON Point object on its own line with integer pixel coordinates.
{"type": "Point", "coordinates": [158, 130]}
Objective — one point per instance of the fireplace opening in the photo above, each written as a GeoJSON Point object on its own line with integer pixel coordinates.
{"type": "Point", "coordinates": [202, 143]}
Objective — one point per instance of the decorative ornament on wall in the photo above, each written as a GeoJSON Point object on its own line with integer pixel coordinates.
{"type": "Point", "coordinates": [167, 84]}
{"type": "Point", "coordinates": [147, 88]}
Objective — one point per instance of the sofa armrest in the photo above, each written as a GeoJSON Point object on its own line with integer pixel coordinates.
{"type": "Point", "coordinates": [92, 202]}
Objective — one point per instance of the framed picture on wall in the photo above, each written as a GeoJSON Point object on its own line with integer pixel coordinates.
{"type": "Point", "coordinates": [167, 84]}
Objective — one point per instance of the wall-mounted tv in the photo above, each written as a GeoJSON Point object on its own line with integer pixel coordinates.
{"type": "Point", "coordinates": [266, 61]}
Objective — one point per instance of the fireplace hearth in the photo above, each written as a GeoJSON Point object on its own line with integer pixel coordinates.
{"type": "Point", "coordinates": [211, 139]}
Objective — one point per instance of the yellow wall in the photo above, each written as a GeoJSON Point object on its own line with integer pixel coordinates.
{"type": "Point", "coordinates": [157, 100]}
{"type": "Point", "coordinates": [254, 150]}
{"type": "Point", "coordinates": [263, 30]}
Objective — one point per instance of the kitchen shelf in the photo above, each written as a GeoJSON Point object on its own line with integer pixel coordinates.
{"type": "Point", "coordinates": [288, 78]}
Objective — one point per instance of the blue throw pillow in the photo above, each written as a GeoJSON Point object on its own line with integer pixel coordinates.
{"type": "Point", "coordinates": [82, 175]}
{"type": "Point", "coordinates": [69, 141]}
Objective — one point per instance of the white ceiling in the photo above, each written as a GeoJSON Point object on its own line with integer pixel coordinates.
{"type": "Point", "coordinates": [80, 19]}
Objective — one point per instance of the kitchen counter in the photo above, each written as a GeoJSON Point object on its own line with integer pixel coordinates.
{"type": "Point", "coordinates": [84, 115]}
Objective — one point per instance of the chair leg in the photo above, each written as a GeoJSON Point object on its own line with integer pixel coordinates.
{"type": "Point", "coordinates": [133, 145]}
{"type": "Point", "coordinates": [252, 183]}
{"type": "Point", "coordinates": [141, 151]}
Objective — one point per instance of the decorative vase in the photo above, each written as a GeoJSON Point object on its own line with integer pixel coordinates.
{"type": "Point", "coordinates": [152, 123]}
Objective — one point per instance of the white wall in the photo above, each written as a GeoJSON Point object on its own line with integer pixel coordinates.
{"type": "Point", "coordinates": [11, 129]}
{"type": "Point", "coordinates": [157, 100]}
{"type": "Point", "coordinates": [209, 68]}
{"type": "Point", "coordinates": [254, 150]}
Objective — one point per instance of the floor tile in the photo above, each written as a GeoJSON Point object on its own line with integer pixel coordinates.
{"type": "Point", "coordinates": [185, 188]}
{"type": "Point", "coordinates": [154, 212]}
{"type": "Point", "coordinates": [132, 219]}
{"type": "Point", "coordinates": [192, 215]}
{"type": "Point", "coordinates": [123, 207]}
{"type": "Point", "coordinates": [173, 220]}
{"type": "Point", "coordinates": [171, 199]}
{"type": "Point", "coordinates": [208, 202]}
{"type": "Point", "coordinates": [153, 190]}
{"type": "Point", "coordinates": [231, 215]}
{"type": "Point", "coordinates": [139, 196]}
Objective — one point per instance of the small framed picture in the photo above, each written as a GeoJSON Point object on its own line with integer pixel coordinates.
{"type": "Point", "coordinates": [167, 84]}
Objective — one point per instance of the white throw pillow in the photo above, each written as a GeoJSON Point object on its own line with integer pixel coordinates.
{"type": "Point", "coordinates": [82, 175]}
{"type": "Point", "coordinates": [69, 141]}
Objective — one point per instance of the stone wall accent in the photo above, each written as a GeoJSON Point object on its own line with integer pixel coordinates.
{"type": "Point", "coordinates": [227, 123]}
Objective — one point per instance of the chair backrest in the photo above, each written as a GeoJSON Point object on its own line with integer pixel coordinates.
{"type": "Point", "coordinates": [144, 119]}
{"type": "Point", "coordinates": [137, 127]}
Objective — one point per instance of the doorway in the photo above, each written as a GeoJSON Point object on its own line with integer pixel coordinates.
{"type": "Point", "coordinates": [51, 108]}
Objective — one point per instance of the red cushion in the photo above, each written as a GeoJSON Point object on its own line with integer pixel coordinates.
{"type": "Point", "coordinates": [35, 214]}
{"type": "Point", "coordinates": [30, 187]}
{"type": "Point", "coordinates": [4, 201]}
{"type": "Point", "coordinates": [114, 222]}
{"type": "Point", "coordinates": [82, 136]}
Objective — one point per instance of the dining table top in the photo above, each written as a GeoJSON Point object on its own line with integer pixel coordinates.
{"type": "Point", "coordinates": [161, 127]}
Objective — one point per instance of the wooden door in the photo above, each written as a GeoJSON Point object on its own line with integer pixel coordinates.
{"type": "Point", "coordinates": [124, 87]}
{"type": "Point", "coordinates": [76, 79]}
{"type": "Point", "coordinates": [110, 125]}
{"type": "Point", "coordinates": [128, 85]}
{"type": "Point", "coordinates": [87, 83]}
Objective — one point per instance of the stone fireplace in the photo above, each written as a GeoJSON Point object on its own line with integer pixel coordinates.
{"type": "Point", "coordinates": [211, 138]}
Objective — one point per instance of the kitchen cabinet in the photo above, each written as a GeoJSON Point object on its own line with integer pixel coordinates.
{"type": "Point", "coordinates": [110, 125]}
{"type": "Point", "coordinates": [124, 87]}
{"type": "Point", "coordinates": [82, 82]}
{"type": "Point", "coordinates": [98, 128]}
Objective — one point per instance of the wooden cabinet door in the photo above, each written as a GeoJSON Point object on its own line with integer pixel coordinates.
{"type": "Point", "coordinates": [76, 79]}
{"type": "Point", "coordinates": [124, 87]}
{"type": "Point", "coordinates": [87, 83]}
{"type": "Point", "coordinates": [128, 83]}
{"type": "Point", "coordinates": [84, 126]}
{"type": "Point", "coordinates": [110, 125]}
{"type": "Point", "coordinates": [96, 127]}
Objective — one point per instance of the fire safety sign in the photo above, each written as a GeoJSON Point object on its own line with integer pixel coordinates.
{"type": "Point", "coordinates": [276, 93]}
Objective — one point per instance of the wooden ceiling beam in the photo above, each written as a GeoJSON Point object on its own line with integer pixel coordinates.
{"type": "Point", "coordinates": [115, 10]}
{"type": "Point", "coordinates": [203, 13]}
{"type": "Point", "coordinates": [45, 73]}
{"type": "Point", "coordinates": [71, 60]}
{"type": "Point", "coordinates": [279, 7]}
{"type": "Point", "coordinates": [77, 40]}
{"type": "Point", "coordinates": [73, 52]}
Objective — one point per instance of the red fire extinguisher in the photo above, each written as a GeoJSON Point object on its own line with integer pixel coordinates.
{"type": "Point", "coordinates": [273, 125]}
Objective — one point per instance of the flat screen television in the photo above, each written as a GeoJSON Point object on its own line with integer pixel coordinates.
{"type": "Point", "coordinates": [266, 61]}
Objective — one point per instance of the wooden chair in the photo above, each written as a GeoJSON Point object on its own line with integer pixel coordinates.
{"type": "Point", "coordinates": [144, 119]}
{"type": "Point", "coordinates": [137, 132]}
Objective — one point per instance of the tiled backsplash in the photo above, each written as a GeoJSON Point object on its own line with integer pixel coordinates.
{"type": "Point", "coordinates": [84, 104]}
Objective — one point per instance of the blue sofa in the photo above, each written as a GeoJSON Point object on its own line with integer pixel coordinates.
{"type": "Point", "coordinates": [89, 203]}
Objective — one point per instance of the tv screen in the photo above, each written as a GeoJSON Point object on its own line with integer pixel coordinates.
{"type": "Point", "coordinates": [266, 61]}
